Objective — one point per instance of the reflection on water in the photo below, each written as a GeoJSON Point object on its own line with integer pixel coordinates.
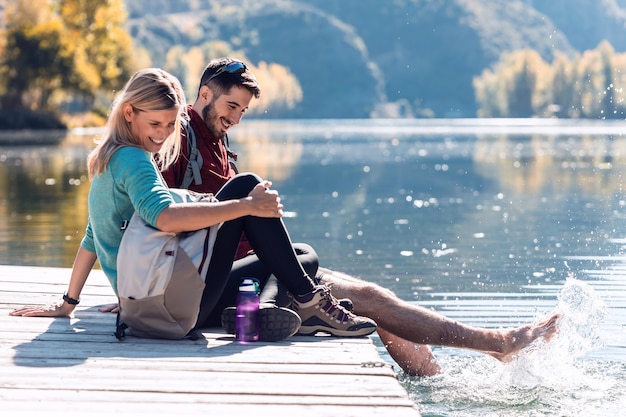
{"type": "Point", "coordinates": [485, 221]}
{"type": "Point", "coordinates": [43, 202]}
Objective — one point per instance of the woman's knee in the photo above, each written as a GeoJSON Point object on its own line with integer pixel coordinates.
{"type": "Point", "coordinates": [249, 177]}
{"type": "Point", "coordinates": [238, 186]}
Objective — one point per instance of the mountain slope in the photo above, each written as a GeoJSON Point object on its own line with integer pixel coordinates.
{"type": "Point", "coordinates": [358, 58]}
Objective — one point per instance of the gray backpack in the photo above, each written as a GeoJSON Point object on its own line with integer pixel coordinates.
{"type": "Point", "coordinates": [192, 173]}
{"type": "Point", "coordinates": [194, 164]}
{"type": "Point", "coordinates": [160, 276]}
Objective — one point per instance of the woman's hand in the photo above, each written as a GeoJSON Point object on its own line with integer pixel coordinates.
{"type": "Point", "coordinates": [109, 308]}
{"type": "Point", "coordinates": [184, 217]}
{"type": "Point", "coordinates": [62, 309]}
{"type": "Point", "coordinates": [265, 202]}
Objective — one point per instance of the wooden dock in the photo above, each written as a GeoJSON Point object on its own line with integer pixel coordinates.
{"type": "Point", "coordinates": [76, 366]}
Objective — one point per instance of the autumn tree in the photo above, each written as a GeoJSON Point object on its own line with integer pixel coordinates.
{"type": "Point", "coordinates": [523, 85]}
{"type": "Point", "coordinates": [101, 47]}
{"type": "Point", "coordinates": [490, 95]}
{"type": "Point", "coordinates": [611, 102]}
{"type": "Point", "coordinates": [526, 86]}
{"type": "Point", "coordinates": [564, 95]}
{"type": "Point", "coordinates": [515, 88]}
{"type": "Point", "coordinates": [60, 51]}
{"type": "Point", "coordinates": [35, 61]}
{"type": "Point", "coordinates": [280, 89]}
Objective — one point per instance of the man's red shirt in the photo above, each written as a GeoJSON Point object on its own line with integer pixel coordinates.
{"type": "Point", "coordinates": [215, 170]}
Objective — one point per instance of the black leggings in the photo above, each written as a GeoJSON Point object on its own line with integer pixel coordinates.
{"type": "Point", "coordinates": [272, 291]}
{"type": "Point", "coordinates": [274, 254]}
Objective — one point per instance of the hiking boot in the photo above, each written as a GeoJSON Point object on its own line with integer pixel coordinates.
{"type": "Point", "coordinates": [344, 302]}
{"type": "Point", "coordinates": [275, 323]}
{"type": "Point", "coordinates": [347, 304]}
{"type": "Point", "coordinates": [321, 312]}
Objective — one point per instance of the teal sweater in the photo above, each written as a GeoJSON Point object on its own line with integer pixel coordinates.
{"type": "Point", "coordinates": [131, 182]}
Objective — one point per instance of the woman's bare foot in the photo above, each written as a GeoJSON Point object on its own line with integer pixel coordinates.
{"type": "Point", "coordinates": [517, 339]}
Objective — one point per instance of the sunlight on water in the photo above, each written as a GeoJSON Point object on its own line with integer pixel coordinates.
{"type": "Point", "coordinates": [552, 378]}
{"type": "Point", "coordinates": [472, 218]}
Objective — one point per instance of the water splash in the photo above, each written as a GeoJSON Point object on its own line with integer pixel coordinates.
{"type": "Point", "coordinates": [582, 313]}
{"type": "Point", "coordinates": [554, 365]}
{"type": "Point", "coordinates": [547, 378]}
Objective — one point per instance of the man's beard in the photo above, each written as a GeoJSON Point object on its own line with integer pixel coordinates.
{"type": "Point", "coordinates": [209, 115]}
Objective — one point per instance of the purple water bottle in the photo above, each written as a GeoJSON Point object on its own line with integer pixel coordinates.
{"type": "Point", "coordinates": [247, 318]}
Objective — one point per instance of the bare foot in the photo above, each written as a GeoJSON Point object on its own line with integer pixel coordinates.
{"type": "Point", "coordinates": [517, 339]}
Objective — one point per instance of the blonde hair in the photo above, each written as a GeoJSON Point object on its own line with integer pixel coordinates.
{"type": "Point", "coordinates": [151, 89]}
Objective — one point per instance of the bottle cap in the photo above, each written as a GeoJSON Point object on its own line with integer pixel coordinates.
{"type": "Point", "coordinates": [249, 285]}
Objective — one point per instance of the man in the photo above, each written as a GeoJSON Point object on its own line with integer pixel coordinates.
{"type": "Point", "coordinates": [225, 92]}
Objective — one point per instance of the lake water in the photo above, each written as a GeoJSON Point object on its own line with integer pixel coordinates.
{"type": "Point", "coordinates": [492, 222]}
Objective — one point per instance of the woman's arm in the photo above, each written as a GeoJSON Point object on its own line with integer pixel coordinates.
{"type": "Point", "coordinates": [83, 264]}
{"type": "Point", "coordinates": [261, 202]}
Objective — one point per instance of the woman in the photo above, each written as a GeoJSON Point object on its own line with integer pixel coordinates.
{"type": "Point", "coordinates": [145, 123]}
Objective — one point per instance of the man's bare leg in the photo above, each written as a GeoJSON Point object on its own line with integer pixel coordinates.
{"type": "Point", "coordinates": [413, 358]}
{"type": "Point", "coordinates": [425, 327]}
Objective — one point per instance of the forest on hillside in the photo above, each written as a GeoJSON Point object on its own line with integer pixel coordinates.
{"type": "Point", "coordinates": [364, 58]}
{"type": "Point", "coordinates": [342, 59]}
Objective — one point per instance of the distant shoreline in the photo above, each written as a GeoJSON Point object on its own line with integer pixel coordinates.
{"type": "Point", "coordinates": [277, 127]}
{"type": "Point", "coordinates": [443, 126]}
{"type": "Point", "coordinates": [32, 136]}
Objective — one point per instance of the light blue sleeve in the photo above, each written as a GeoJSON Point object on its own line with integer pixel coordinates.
{"type": "Point", "coordinates": [137, 176]}
{"type": "Point", "coordinates": [87, 242]}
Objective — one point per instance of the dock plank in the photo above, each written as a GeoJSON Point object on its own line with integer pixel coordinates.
{"type": "Point", "coordinates": [57, 365]}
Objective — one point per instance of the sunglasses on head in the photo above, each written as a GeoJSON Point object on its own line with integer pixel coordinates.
{"type": "Point", "coordinates": [236, 67]}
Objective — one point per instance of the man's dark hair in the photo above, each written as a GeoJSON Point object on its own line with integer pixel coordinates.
{"type": "Point", "coordinates": [223, 82]}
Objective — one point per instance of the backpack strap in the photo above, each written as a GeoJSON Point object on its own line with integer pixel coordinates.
{"type": "Point", "coordinates": [120, 327]}
{"type": "Point", "coordinates": [232, 155]}
{"type": "Point", "coordinates": [194, 163]}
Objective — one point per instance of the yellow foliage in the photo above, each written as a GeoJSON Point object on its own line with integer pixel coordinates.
{"type": "Point", "coordinates": [194, 59]}
{"type": "Point", "coordinates": [280, 89]}
{"type": "Point", "coordinates": [59, 51]}
{"type": "Point", "coordinates": [27, 13]}
{"type": "Point", "coordinates": [103, 47]}
{"type": "Point", "coordinates": [523, 85]}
